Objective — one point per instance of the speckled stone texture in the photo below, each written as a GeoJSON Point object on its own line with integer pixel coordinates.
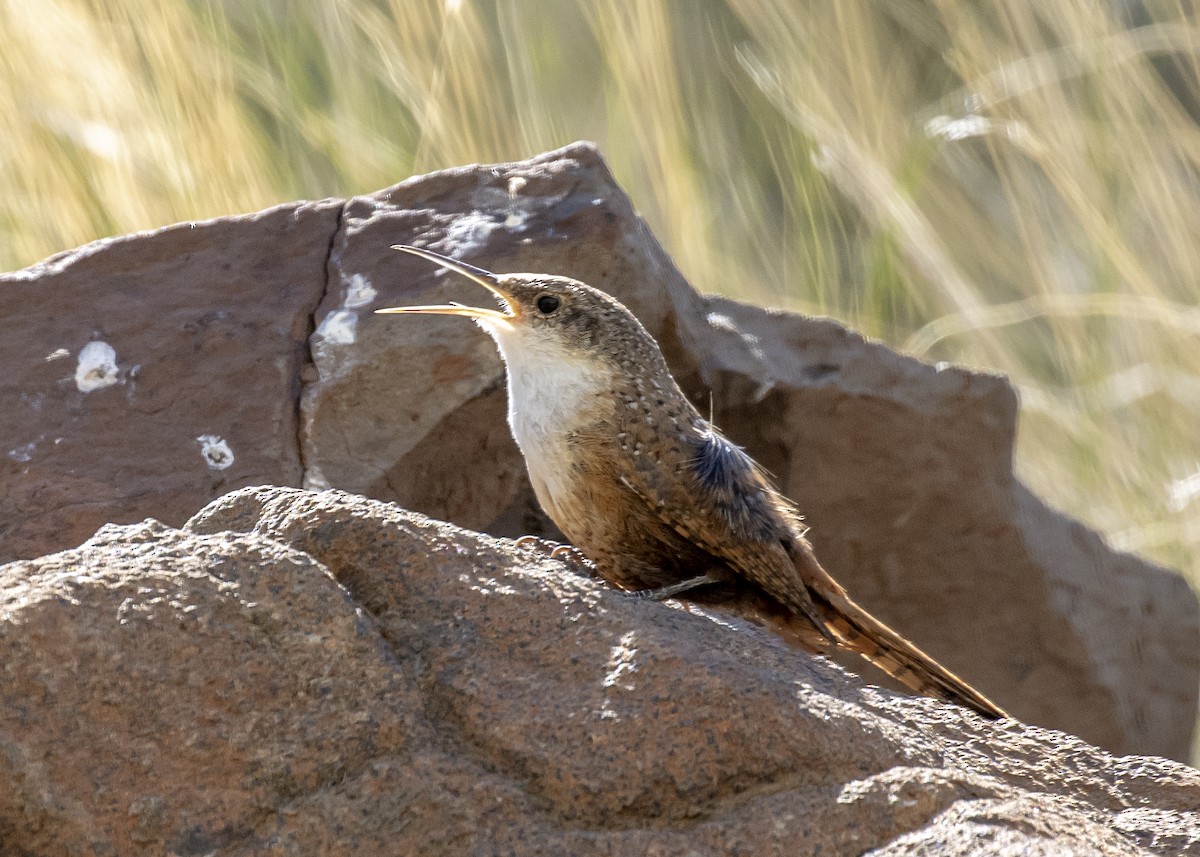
{"type": "Point", "coordinates": [126, 361]}
{"type": "Point", "coordinates": [318, 674]}
{"type": "Point", "coordinates": [904, 470]}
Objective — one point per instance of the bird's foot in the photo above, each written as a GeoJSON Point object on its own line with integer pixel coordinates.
{"type": "Point", "coordinates": [664, 592]}
{"type": "Point", "coordinates": [569, 554]}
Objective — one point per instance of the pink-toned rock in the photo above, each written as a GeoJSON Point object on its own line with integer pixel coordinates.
{"type": "Point", "coordinates": [163, 688]}
{"type": "Point", "coordinates": [321, 674]}
{"type": "Point", "coordinates": [149, 374]}
{"type": "Point", "coordinates": [903, 469]}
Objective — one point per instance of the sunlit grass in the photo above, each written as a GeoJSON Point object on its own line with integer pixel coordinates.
{"type": "Point", "coordinates": [1014, 186]}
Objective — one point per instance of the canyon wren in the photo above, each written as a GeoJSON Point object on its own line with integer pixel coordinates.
{"type": "Point", "coordinates": [647, 489]}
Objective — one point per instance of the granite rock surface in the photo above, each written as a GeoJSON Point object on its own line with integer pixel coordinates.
{"type": "Point", "coordinates": [318, 673]}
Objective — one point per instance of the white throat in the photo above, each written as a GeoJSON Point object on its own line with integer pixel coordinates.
{"type": "Point", "coordinates": [551, 390]}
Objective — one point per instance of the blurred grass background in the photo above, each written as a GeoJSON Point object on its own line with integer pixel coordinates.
{"type": "Point", "coordinates": [1013, 185]}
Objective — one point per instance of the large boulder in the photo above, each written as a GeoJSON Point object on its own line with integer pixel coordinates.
{"type": "Point", "coordinates": [310, 674]}
{"type": "Point", "coordinates": [149, 374]}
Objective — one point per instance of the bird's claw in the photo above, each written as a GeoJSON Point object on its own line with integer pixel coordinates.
{"type": "Point", "coordinates": [574, 558]}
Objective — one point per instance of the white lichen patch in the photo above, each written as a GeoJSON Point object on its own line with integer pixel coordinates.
{"type": "Point", "coordinates": [359, 292]}
{"type": "Point", "coordinates": [469, 232]}
{"type": "Point", "coordinates": [720, 321]}
{"type": "Point", "coordinates": [97, 367]}
{"type": "Point", "coordinates": [215, 451]}
{"type": "Point", "coordinates": [518, 211]}
{"type": "Point", "coordinates": [314, 479]}
{"type": "Point", "coordinates": [339, 327]}
{"type": "Point", "coordinates": [24, 452]}
{"type": "Point", "coordinates": [494, 209]}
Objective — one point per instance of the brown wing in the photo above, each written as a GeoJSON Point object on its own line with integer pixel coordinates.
{"type": "Point", "coordinates": [715, 496]}
{"type": "Point", "coordinates": [720, 500]}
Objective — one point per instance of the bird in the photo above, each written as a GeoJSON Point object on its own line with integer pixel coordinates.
{"type": "Point", "coordinates": [649, 491]}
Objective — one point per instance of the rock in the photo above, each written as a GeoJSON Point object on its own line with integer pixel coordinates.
{"type": "Point", "coordinates": [903, 469]}
{"type": "Point", "coordinates": [149, 374]}
{"type": "Point", "coordinates": [302, 673]}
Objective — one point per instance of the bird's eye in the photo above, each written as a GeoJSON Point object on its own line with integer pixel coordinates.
{"type": "Point", "coordinates": [547, 304]}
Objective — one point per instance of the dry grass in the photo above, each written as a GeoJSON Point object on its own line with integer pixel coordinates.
{"type": "Point", "coordinates": [1012, 185]}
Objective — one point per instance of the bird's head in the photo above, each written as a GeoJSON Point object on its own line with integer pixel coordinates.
{"type": "Point", "coordinates": [546, 320]}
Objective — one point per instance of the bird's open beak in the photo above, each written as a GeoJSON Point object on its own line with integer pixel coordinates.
{"type": "Point", "coordinates": [485, 278]}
